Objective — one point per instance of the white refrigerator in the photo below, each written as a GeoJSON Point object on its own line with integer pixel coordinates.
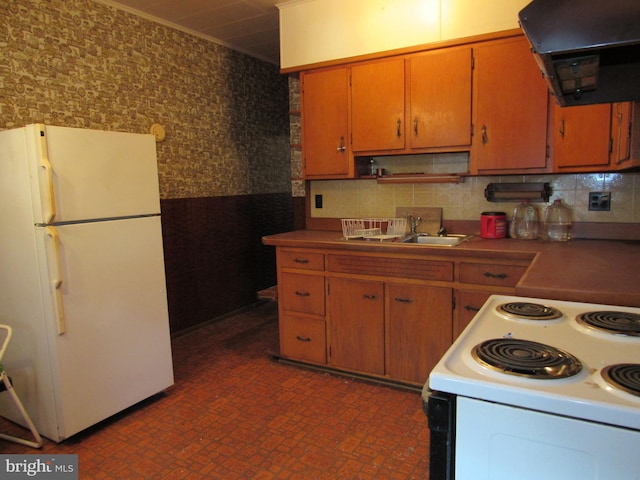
{"type": "Point", "coordinates": [82, 278]}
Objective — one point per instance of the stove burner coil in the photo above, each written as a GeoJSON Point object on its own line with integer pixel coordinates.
{"type": "Point", "coordinates": [529, 311]}
{"type": "Point", "coordinates": [619, 323]}
{"type": "Point", "coordinates": [526, 358]}
{"type": "Point", "coordinates": [625, 376]}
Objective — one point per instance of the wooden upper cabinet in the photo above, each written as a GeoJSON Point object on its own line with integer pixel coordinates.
{"type": "Point", "coordinates": [581, 137]}
{"type": "Point", "coordinates": [325, 124]}
{"type": "Point", "coordinates": [377, 106]}
{"type": "Point", "coordinates": [440, 98]}
{"type": "Point", "coordinates": [510, 113]}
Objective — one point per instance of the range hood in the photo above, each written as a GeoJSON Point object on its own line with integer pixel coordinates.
{"type": "Point", "coordinates": [588, 50]}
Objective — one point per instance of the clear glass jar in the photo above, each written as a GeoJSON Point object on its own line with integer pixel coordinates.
{"type": "Point", "coordinates": [525, 224]}
{"type": "Point", "coordinates": [557, 223]}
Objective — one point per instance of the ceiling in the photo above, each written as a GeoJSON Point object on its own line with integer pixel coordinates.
{"type": "Point", "coordinates": [249, 26]}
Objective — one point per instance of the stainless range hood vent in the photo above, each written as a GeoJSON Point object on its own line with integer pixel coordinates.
{"type": "Point", "coordinates": [588, 50]}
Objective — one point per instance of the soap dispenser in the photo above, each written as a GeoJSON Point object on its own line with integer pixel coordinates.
{"type": "Point", "coordinates": [525, 224]}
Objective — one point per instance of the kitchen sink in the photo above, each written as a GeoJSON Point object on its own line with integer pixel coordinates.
{"type": "Point", "coordinates": [449, 240]}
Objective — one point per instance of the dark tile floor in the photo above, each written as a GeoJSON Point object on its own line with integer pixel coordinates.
{"type": "Point", "coordinates": [236, 413]}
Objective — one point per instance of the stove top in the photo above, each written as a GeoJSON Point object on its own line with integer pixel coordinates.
{"type": "Point", "coordinates": [546, 355]}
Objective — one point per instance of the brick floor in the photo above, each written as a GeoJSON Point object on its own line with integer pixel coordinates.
{"type": "Point", "coordinates": [236, 413]}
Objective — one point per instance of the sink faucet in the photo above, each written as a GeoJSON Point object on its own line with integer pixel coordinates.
{"type": "Point", "coordinates": [413, 222]}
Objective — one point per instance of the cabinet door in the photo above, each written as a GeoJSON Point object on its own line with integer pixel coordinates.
{"type": "Point", "coordinates": [301, 293]}
{"type": "Point", "coordinates": [510, 119]}
{"type": "Point", "coordinates": [440, 99]}
{"type": "Point", "coordinates": [325, 120]}
{"type": "Point", "coordinates": [377, 105]}
{"type": "Point", "coordinates": [419, 332]}
{"type": "Point", "coordinates": [468, 303]}
{"type": "Point", "coordinates": [581, 137]}
{"type": "Point", "coordinates": [356, 325]}
{"type": "Point", "coordinates": [303, 338]}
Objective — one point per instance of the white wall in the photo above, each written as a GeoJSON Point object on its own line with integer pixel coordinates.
{"type": "Point", "coordinates": [313, 31]}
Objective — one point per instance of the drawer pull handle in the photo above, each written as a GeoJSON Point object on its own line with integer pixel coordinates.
{"type": "Point", "coordinates": [302, 339]}
{"type": "Point", "coordinates": [369, 297]}
{"type": "Point", "coordinates": [403, 300]}
{"type": "Point", "coordinates": [302, 294]}
{"type": "Point", "coordinates": [495, 275]}
{"type": "Point", "coordinates": [303, 261]}
{"type": "Point", "coordinates": [471, 308]}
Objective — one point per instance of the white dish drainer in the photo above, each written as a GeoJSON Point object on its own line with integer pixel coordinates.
{"type": "Point", "coordinates": [373, 228]}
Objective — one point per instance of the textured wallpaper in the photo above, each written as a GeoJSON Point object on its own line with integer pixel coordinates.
{"type": "Point", "coordinates": [83, 64]}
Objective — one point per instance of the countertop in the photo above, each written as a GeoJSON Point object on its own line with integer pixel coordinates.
{"type": "Point", "coordinates": [592, 271]}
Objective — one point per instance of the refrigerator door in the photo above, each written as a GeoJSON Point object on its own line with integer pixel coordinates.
{"type": "Point", "coordinates": [106, 321]}
{"type": "Point", "coordinates": [80, 174]}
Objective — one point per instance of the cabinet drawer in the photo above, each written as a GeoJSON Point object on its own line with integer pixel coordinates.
{"type": "Point", "coordinates": [488, 274]}
{"type": "Point", "coordinates": [392, 267]}
{"type": "Point", "coordinates": [303, 339]}
{"type": "Point", "coordinates": [302, 293]}
{"type": "Point", "coordinates": [301, 260]}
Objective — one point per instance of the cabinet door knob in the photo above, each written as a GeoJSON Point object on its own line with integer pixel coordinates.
{"type": "Point", "coordinates": [403, 300]}
{"type": "Point", "coordinates": [302, 294]}
{"type": "Point", "coordinates": [303, 261]}
{"type": "Point", "coordinates": [415, 126]}
{"type": "Point", "coordinates": [495, 275]}
{"type": "Point", "coordinates": [471, 308]}
{"type": "Point", "coordinates": [302, 339]}
{"type": "Point", "coordinates": [399, 128]}
{"type": "Point", "coordinates": [485, 138]}
{"type": "Point", "coordinates": [369, 297]}
{"type": "Point", "coordinates": [561, 129]}
{"type": "Point", "coordinates": [342, 148]}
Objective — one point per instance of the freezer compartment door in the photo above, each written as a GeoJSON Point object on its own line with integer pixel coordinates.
{"type": "Point", "coordinates": [81, 174]}
{"type": "Point", "coordinates": [107, 280]}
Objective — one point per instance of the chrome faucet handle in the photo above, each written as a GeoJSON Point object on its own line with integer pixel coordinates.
{"type": "Point", "coordinates": [413, 222]}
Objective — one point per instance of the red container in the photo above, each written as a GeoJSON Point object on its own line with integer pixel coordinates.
{"type": "Point", "coordinates": [493, 225]}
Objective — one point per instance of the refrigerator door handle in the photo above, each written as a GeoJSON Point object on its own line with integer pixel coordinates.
{"type": "Point", "coordinates": [56, 278]}
{"type": "Point", "coordinates": [48, 195]}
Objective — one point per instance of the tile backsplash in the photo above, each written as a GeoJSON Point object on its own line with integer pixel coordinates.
{"type": "Point", "coordinates": [465, 201]}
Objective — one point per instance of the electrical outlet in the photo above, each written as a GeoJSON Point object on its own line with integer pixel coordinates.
{"type": "Point", "coordinates": [600, 201]}
{"type": "Point", "coordinates": [318, 201]}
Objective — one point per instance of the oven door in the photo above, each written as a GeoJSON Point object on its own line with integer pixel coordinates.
{"type": "Point", "coordinates": [500, 442]}
{"type": "Point", "coordinates": [440, 409]}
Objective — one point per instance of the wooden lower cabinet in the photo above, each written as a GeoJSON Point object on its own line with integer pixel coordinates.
{"type": "Point", "coordinates": [468, 302]}
{"type": "Point", "coordinates": [356, 325]}
{"type": "Point", "coordinates": [303, 339]}
{"type": "Point", "coordinates": [419, 331]}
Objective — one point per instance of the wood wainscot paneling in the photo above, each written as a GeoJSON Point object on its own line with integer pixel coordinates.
{"type": "Point", "coordinates": [215, 261]}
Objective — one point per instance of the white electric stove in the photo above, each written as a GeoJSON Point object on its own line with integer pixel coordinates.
{"type": "Point", "coordinates": [548, 388]}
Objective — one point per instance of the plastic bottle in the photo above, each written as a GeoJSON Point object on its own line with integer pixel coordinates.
{"type": "Point", "coordinates": [557, 222]}
{"type": "Point", "coordinates": [525, 224]}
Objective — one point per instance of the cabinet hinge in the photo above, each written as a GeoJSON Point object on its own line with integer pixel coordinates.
{"type": "Point", "coordinates": [472, 130]}
{"type": "Point", "coordinates": [453, 302]}
{"type": "Point", "coordinates": [548, 151]}
{"type": "Point", "coordinates": [473, 61]}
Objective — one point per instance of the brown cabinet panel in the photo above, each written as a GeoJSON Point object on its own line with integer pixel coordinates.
{"type": "Point", "coordinates": [377, 105]}
{"type": "Point", "coordinates": [510, 112]}
{"type": "Point", "coordinates": [392, 267]}
{"type": "Point", "coordinates": [581, 137]}
{"type": "Point", "coordinates": [490, 274]}
{"type": "Point", "coordinates": [301, 293]}
{"type": "Point", "coordinates": [325, 124]}
{"type": "Point", "coordinates": [303, 339]}
{"type": "Point", "coordinates": [440, 98]}
{"type": "Point", "coordinates": [301, 260]}
{"type": "Point", "coordinates": [418, 329]}
{"type": "Point", "coordinates": [356, 325]}
{"type": "Point", "coordinates": [468, 303]}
